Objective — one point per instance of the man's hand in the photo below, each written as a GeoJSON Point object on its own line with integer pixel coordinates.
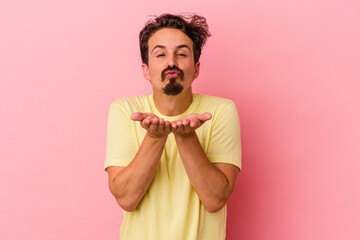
{"type": "Point", "coordinates": [188, 124]}
{"type": "Point", "coordinates": [156, 127]}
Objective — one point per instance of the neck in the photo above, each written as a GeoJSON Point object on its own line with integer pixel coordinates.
{"type": "Point", "coordinates": [172, 105]}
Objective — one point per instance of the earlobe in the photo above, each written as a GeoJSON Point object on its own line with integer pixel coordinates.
{"type": "Point", "coordinates": [145, 69]}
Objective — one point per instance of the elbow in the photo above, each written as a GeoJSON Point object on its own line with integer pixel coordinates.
{"type": "Point", "coordinates": [215, 205]}
{"type": "Point", "coordinates": [126, 204]}
{"type": "Point", "coordinates": [125, 200]}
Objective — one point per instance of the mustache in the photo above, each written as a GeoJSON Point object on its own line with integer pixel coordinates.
{"type": "Point", "coordinates": [174, 68]}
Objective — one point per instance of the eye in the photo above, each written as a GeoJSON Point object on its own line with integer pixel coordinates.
{"type": "Point", "coordinates": [181, 54]}
{"type": "Point", "coordinates": [160, 55]}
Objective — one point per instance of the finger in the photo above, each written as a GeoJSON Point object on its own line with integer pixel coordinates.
{"type": "Point", "coordinates": [185, 122]}
{"type": "Point", "coordinates": [146, 123]}
{"type": "Point", "coordinates": [178, 123]}
{"type": "Point", "coordinates": [161, 126]}
{"type": "Point", "coordinates": [147, 120]}
{"type": "Point", "coordinates": [188, 128]}
{"type": "Point", "coordinates": [161, 121]}
{"type": "Point", "coordinates": [173, 125]}
{"type": "Point", "coordinates": [186, 125]}
{"type": "Point", "coordinates": [180, 127]}
{"type": "Point", "coordinates": [154, 124]}
{"type": "Point", "coordinates": [205, 116]}
{"type": "Point", "coordinates": [167, 127]}
{"type": "Point", "coordinates": [193, 123]}
{"type": "Point", "coordinates": [137, 116]}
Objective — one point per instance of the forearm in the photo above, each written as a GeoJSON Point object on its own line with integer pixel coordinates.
{"type": "Point", "coordinates": [131, 183]}
{"type": "Point", "coordinates": [211, 185]}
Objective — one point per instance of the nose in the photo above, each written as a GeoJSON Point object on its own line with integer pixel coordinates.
{"type": "Point", "coordinates": [172, 61]}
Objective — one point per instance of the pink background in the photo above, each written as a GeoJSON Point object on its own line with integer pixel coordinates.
{"type": "Point", "coordinates": [292, 68]}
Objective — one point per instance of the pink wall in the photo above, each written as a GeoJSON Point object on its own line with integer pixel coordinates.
{"type": "Point", "coordinates": [292, 67]}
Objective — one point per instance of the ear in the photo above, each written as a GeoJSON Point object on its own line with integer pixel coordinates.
{"type": "Point", "coordinates": [197, 70]}
{"type": "Point", "coordinates": [145, 69]}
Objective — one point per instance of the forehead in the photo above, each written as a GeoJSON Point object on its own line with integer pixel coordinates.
{"type": "Point", "coordinates": [169, 38]}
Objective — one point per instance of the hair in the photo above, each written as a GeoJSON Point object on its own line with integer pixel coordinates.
{"type": "Point", "coordinates": [194, 26]}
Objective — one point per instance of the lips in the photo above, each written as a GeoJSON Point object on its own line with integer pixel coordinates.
{"type": "Point", "coordinates": [172, 74]}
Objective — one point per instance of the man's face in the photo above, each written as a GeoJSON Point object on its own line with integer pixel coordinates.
{"type": "Point", "coordinates": [171, 68]}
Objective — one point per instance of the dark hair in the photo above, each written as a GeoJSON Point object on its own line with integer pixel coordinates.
{"type": "Point", "coordinates": [194, 26]}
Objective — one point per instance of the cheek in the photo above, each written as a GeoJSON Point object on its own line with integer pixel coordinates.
{"type": "Point", "coordinates": [189, 71]}
{"type": "Point", "coordinates": [155, 73]}
{"type": "Point", "coordinates": [158, 68]}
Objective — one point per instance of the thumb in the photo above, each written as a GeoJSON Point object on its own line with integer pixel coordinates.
{"type": "Point", "coordinates": [137, 116]}
{"type": "Point", "coordinates": [205, 116]}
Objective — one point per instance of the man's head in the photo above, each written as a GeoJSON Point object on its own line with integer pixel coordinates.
{"type": "Point", "coordinates": [195, 27]}
{"type": "Point", "coordinates": [170, 50]}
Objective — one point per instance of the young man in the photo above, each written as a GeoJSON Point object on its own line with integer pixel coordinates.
{"type": "Point", "coordinates": [173, 156]}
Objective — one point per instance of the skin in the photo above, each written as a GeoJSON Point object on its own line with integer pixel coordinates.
{"type": "Point", "coordinates": [213, 183]}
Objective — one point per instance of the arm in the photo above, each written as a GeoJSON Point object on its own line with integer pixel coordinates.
{"type": "Point", "coordinates": [213, 183]}
{"type": "Point", "coordinates": [129, 184]}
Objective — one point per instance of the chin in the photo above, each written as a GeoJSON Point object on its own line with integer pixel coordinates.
{"type": "Point", "coordinates": [173, 89]}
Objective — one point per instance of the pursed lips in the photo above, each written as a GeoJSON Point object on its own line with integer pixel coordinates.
{"type": "Point", "coordinates": [172, 74]}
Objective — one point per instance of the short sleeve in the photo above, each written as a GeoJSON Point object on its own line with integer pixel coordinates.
{"type": "Point", "coordinates": [120, 143]}
{"type": "Point", "coordinates": [225, 140]}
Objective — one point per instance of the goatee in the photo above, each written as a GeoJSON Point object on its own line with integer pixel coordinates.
{"type": "Point", "coordinates": [173, 88]}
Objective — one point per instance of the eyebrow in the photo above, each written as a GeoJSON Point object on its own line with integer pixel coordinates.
{"type": "Point", "coordinates": [180, 46]}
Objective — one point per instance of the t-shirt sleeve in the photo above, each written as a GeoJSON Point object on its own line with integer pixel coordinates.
{"type": "Point", "coordinates": [225, 142]}
{"type": "Point", "coordinates": [120, 143]}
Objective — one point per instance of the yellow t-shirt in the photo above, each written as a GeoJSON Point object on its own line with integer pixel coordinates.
{"type": "Point", "coordinates": [171, 209]}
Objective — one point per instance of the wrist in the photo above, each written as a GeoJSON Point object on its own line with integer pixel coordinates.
{"type": "Point", "coordinates": [185, 136]}
{"type": "Point", "coordinates": [156, 137]}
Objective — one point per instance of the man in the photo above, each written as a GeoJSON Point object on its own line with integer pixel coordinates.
{"type": "Point", "coordinates": [173, 156]}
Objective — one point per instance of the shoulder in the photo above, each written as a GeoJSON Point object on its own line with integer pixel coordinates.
{"type": "Point", "coordinates": [131, 100]}
{"type": "Point", "coordinates": [215, 103]}
{"type": "Point", "coordinates": [131, 103]}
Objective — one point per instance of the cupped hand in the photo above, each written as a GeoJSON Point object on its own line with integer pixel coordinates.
{"type": "Point", "coordinates": [155, 126]}
{"type": "Point", "coordinates": [188, 124]}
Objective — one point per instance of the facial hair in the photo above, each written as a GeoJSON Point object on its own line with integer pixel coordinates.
{"type": "Point", "coordinates": [172, 88]}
